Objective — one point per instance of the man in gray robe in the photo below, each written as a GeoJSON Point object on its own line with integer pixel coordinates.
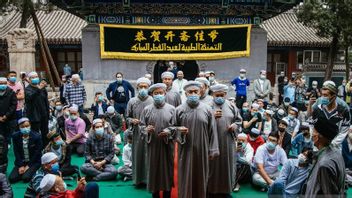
{"type": "Point", "coordinates": [172, 96]}
{"type": "Point", "coordinates": [134, 110]}
{"type": "Point", "coordinates": [198, 143]}
{"type": "Point", "coordinates": [222, 169]}
{"type": "Point", "coordinates": [157, 121]}
{"type": "Point", "coordinates": [327, 177]}
{"type": "Point", "coordinates": [204, 91]}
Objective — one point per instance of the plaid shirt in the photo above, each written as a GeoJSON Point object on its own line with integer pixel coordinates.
{"type": "Point", "coordinates": [99, 149]}
{"type": "Point", "coordinates": [75, 94]}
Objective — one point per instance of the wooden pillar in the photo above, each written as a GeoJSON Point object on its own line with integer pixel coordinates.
{"type": "Point", "coordinates": [292, 62]}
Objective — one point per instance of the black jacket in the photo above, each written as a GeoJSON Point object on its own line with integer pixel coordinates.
{"type": "Point", "coordinates": [286, 143]}
{"type": "Point", "coordinates": [34, 146]}
{"type": "Point", "coordinates": [37, 105]}
{"type": "Point", "coordinates": [8, 104]}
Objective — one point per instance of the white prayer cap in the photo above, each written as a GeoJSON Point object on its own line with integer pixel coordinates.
{"type": "Point", "coordinates": [219, 87]}
{"type": "Point", "coordinates": [3, 79]}
{"type": "Point", "coordinates": [269, 112]}
{"type": "Point", "coordinates": [203, 80]}
{"type": "Point", "coordinates": [242, 135]}
{"type": "Point", "coordinates": [306, 124]}
{"type": "Point", "coordinates": [32, 74]}
{"type": "Point", "coordinates": [96, 121]}
{"type": "Point", "coordinates": [143, 80]}
{"type": "Point", "coordinates": [74, 108]}
{"type": "Point", "coordinates": [243, 71]}
{"type": "Point", "coordinates": [294, 109]}
{"type": "Point", "coordinates": [315, 82]}
{"type": "Point", "coordinates": [148, 76]}
{"type": "Point", "coordinates": [22, 120]}
{"type": "Point", "coordinates": [330, 85]}
{"type": "Point", "coordinates": [157, 86]}
{"type": "Point", "coordinates": [255, 131]}
{"type": "Point", "coordinates": [262, 72]}
{"type": "Point", "coordinates": [48, 157]}
{"type": "Point", "coordinates": [75, 76]}
{"type": "Point", "coordinates": [47, 182]}
{"type": "Point", "coordinates": [167, 75]}
{"type": "Point", "coordinates": [255, 106]}
{"type": "Point", "coordinates": [232, 98]}
{"type": "Point", "coordinates": [111, 110]}
{"type": "Point", "coordinates": [201, 73]}
{"type": "Point", "coordinates": [281, 112]}
{"type": "Point", "coordinates": [191, 84]}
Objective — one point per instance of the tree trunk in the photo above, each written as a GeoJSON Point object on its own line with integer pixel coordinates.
{"type": "Point", "coordinates": [25, 13]}
{"type": "Point", "coordinates": [331, 58]}
{"type": "Point", "coordinates": [347, 61]}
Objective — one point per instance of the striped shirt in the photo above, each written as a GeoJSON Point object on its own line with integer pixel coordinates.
{"type": "Point", "coordinates": [75, 94]}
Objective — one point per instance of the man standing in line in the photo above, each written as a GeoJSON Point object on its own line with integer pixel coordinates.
{"type": "Point", "coordinates": [172, 96]}
{"type": "Point", "coordinates": [240, 84]}
{"type": "Point", "coordinates": [178, 85]}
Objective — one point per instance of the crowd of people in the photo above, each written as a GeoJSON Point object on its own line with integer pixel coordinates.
{"type": "Point", "coordinates": [299, 147]}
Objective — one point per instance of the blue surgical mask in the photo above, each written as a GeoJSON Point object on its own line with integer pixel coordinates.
{"type": "Point", "coordinates": [73, 117]}
{"type": "Point", "coordinates": [13, 79]}
{"type": "Point", "coordinates": [193, 100]}
{"type": "Point", "coordinates": [291, 117]}
{"type": "Point", "coordinates": [325, 100]}
{"type": "Point", "coordinates": [143, 93]}
{"type": "Point", "coordinates": [59, 142]}
{"type": "Point", "coordinates": [270, 146]}
{"type": "Point", "coordinates": [99, 131]}
{"type": "Point", "coordinates": [58, 108]}
{"type": "Point", "coordinates": [159, 99]}
{"type": "Point", "coordinates": [302, 158]}
{"type": "Point", "coordinates": [100, 98]}
{"type": "Point", "coordinates": [55, 168]}
{"type": "Point", "coordinates": [219, 100]}
{"type": "Point", "coordinates": [3, 87]}
{"type": "Point", "coordinates": [35, 81]}
{"type": "Point", "coordinates": [25, 130]}
{"type": "Point", "coordinates": [245, 109]}
{"type": "Point", "coordinates": [119, 80]}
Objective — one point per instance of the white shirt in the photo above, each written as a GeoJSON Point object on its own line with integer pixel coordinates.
{"type": "Point", "coordinates": [270, 162]}
{"type": "Point", "coordinates": [261, 82]}
{"type": "Point", "coordinates": [178, 86]}
{"type": "Point", "coordinates": [127, 155]}
{"type": "Point", "coordinates": [267, 127]}
{"type": "Point", "coordinates": [247, 155]}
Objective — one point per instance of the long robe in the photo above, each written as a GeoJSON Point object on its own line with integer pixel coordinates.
{"type": "Point", "coordinates": [134, 110]}
{"type": "Point", "coordinates": [195, 148]}
{"type": "Point", "coordinates": [207, 99]}
{"type": "Point", "coordinates": [222, 168]}
{"type": "Point", "coordinates": [173, 97]}
{"type": "Point", "coordinates": [328, 175]}
{"type": "Point", "coordinates": [160, 151]}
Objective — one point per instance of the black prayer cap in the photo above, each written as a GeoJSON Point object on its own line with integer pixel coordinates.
{"type": "Point", "coordinates": [326, 128]}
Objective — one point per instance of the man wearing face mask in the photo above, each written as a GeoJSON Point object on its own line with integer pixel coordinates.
{"type": "Point", "coordinates": [292, 176]}
{"type": "Point", "coordinates": [119, 93]}
{"type": "Point", "coordinates": [292, 121]}
{"type": "Point", "coordinates": [281, 85]}
{"type": "Point", "coordinates": [99, 151]}
{"type": "Point", "coordinates": [178, 85]}
{"type": "Point", "coordinates": [100, 106]}
{"type": "Point", "coordinates": [284, 138]}
{"type": "Point", "coordinates": [222, 173]}
{"type": "Point", "coordinates": [286, 105]}
{"type": "Point", "coordinates": [115, 121]}
{"type": "Point", "coordinates": [303, 139]}
{"type": "Point", "coordinates": [134, 112]}
{"type": "Point", "coordinates": [313, 91]}
{"type": "Point", "coordinates": [240, 84]}
{"type": "Point", "coordinates": [204, 92]}
{"type": "Point", "coordinates": [300, 94]}
{"type": "Point", "coordinates": [75, 92]}
{"type": "Point", "coordinates": [211, 78]}
{"type": "Point", "coordinates": [262, 87]}
{"type": "Point", "coordinates": [19, 91]}
{"type": "Point", "coordinates": [254, 139]}
{"type": "Point", "coordinates": [158, 131]}
{"type": "Point", "coordinates": [332, 108]}
{"type": "Point", "coordinates": [267, 160]}
{"type": "Point", "coordinates": [252, 120]}
{"type": "Point", "coordinates": [289, 91]}
{"type": "Point", "coordinates": [64, 83]}
{"type": "Point", "coordinates": [342, 90]}
{"type": "Point", "coordinates": [172, 96]}
{"type": "Point", "coordinates": [245, 111]}
{"type": "Point", "coordinates": [37, 106]}
{"type": "Point", "coordinates": [75, 129]}
{"type": "Point", "coordinates": [327, 178]}
{"type": "Point", "coordinates": [198, 142]}
{"type": "Point", "coordinates": [27, 146]}
{"type": "Point", "coordinates": [53, 186]}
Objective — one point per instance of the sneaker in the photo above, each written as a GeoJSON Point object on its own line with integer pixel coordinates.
{"type": "Point", "coordinates": [125, 179]}
{"type": "Point", "coordinates": [263, 190]}
{"type": "Point", "coordinates": [237, 188]}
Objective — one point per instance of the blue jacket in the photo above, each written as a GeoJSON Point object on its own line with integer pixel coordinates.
{"type": "Point", "coordinates": [34, 147]}
{"type": "Point", "coordinates": [346, 154]}
{"type": "Point", "coordinates": [110, 91]}
{"type": "Point", "coordinates": [95, 109]}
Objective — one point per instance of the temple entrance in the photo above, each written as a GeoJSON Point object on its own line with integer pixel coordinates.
{"type": "Point", "coordinates": [190, 69]}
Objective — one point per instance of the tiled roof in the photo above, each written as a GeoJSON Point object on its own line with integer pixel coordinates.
{"type": "Point", "coordinates": [285, 30]}
{"type": "Point", "coordinates": [59, 26]}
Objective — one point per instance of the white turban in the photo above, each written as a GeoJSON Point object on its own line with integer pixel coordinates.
{"type": "Point", "coordinates": [22, 120]}
{"type": "Point", "coordinates": [219, 87]}
{"type": "Point", "coordinates": [242, 135]}
{"type": "Point", "coordinates": [203, 80]}
{"type": "Point", "coordinates": [167, 74]}
{"type": "Point", "coordinates": [269, 112]}
{"type": "Point", "coordinates": [47, 182]}
{"type": "Point", "coordinates": [157, 86]}
{"type": "Point", "coordinates": [143, 80]}
{"type": "Point", "coordinates": [48, 157]}
{"type": "Point", "coordinates": [255, 106]}
{"type": "Point", "coordinates": [74, 108]}
{"type": "Point", "coordinates": [243, 71]}
{"type": "Point", "coordinates": [32, 74]}
{"type": "Point", "coordinates": [96, 121]}
{"type": "Point", "coordinates": [3, 79]}
{"type": "Point", "coordinates": [111, 110]}
{"type": "Point", "coordinates": [190, 84]}
{"type": "Point", "coordinates": [255, 131]}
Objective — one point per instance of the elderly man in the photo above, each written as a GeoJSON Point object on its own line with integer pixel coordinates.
{"type": "Point", "coordinates": [37, 106]}
{"type": "Point", "coordinates": [27, 146]}
{"type": "Point", "coordinates": [178, 85]}
{"type": "Point", "coordinates": [75, 129]}
{"type": "Point", "coordinates": [134, 112]}
{"type": "Point", "coordinates": [158, 120]}
{"type": "Point", "coordinates": [172, 96]}
{"type": "Point", "coordinates": [327, 178]}
{"type": "Point", "coordinates": [204, 91]}
{"type": "Point", "coordinates": [198, 143]}
{"type": "Point", "coordinates": [262, 87]}
{"type": "Point", "coordinates": [99, 152]}
{"type": "Point", "coordinates": [222, 172]}
{"type": "Point", "coordinates": [332, 108]}
{"type": "Point", "coordinates": [75, 92]}
{"type": "Point", "coordinates": [293, 123]}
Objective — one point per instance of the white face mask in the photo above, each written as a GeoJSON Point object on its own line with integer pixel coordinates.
{"type": "Point", "coordinates": [262, 76]}
{"type": "Point", "coordinates": [302, 158]}
{"type": "Point", "coordinates": [242, 75]}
